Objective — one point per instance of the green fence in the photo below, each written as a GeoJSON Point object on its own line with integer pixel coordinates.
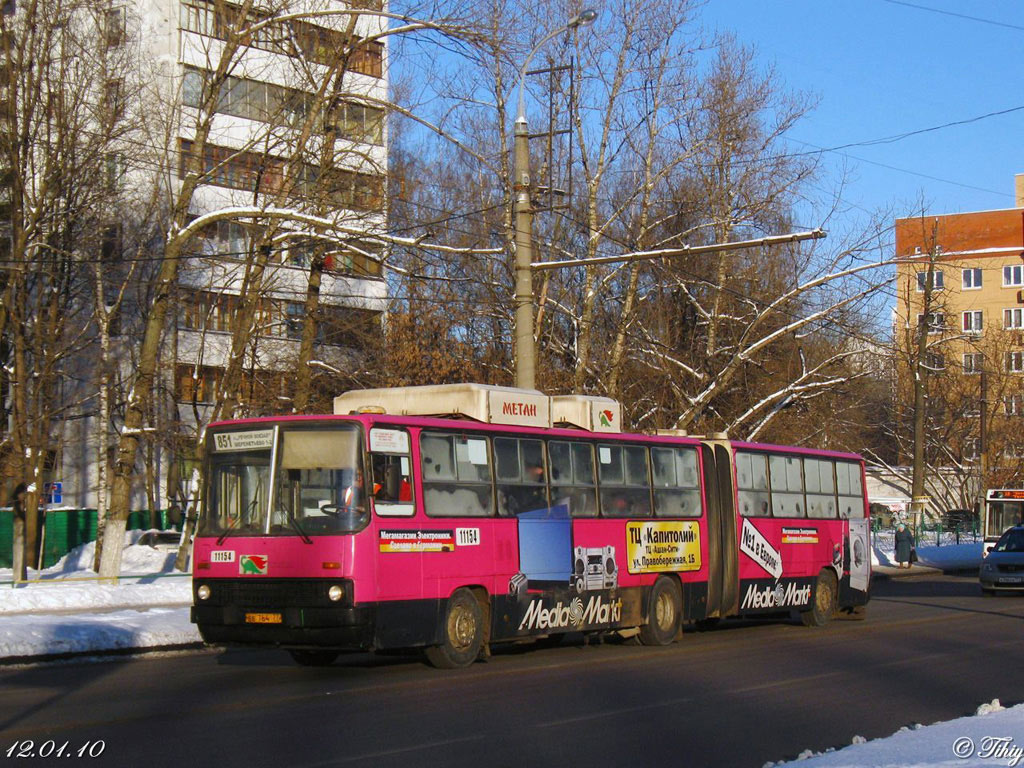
{"type": "Point", "coordinates": [65, 529]}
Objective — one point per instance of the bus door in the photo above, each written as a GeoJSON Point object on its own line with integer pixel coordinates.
{"type": "Point", "coordinates": [723, 556]}
{"type": "Point", "coordinates": [859, 546]}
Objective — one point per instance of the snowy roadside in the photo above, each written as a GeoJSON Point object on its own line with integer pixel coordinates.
{"type": "Point", "coordinates": [65, 610]}
{"type": "Point", "coordinates": [994, 736]}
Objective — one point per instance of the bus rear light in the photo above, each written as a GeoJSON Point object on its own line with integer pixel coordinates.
{"type": "Point", "coordinates": [335, 593]}
{"type": "Point", "coordinates": [331, 566]}
{"type": "Point", "coordinates": [203, 592]}
{"type": "Point", "coordinates": [203, 567]}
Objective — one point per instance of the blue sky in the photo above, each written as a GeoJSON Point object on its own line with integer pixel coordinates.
{"type": "Point", "coordinates": [882, 68]}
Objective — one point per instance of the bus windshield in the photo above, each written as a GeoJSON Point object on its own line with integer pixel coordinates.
{"type": "Point", "coordinates": [315, 487]}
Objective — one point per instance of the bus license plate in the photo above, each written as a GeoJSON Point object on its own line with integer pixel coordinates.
{"type": "Point", "coordinates": [1009, 579]}
{"type": "Point", "coordinates": [263, 618]}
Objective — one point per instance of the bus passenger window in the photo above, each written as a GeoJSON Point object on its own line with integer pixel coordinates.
{"type": "Point", "coordinates": [623, 481]}
{"type": "Point", "coordinates": [572, 477]}
{"type": "Point", "coordinates": [522, 483]}
{"type": "Point", "coordinates": [849, 487]}
{"type": "Point", "coordinates": [676, 491]}
{"type": "Point", "coordinates": [752, 484]}
{"type": "Point", "coordinates": [456, 475]}
{"type": "Point", "coordinates": [787, 486]}
{"type": "Point", "coordinates": [391, 472]}
{"type": "Point", "coordinates": [821, 488]}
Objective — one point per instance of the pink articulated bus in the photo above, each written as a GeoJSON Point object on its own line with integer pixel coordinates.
{"type": "Point", "coordinates": [455, 517]}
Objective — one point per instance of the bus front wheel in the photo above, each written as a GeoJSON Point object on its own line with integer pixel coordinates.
{"type": "Point", "coordinates": [664, 613]}
{"type": "Point", "coordinates": [824, 606]}
{"type": "Point", "coordinates": [462, 633]}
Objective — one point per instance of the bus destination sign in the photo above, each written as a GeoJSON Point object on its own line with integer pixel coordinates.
{"type": "Point", "coordinates": [243, 441]}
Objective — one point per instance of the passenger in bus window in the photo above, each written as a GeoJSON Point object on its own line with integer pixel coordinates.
{"type": "Point", "coordinates": [353, 498]}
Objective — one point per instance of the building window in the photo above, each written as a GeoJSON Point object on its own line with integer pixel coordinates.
{"type": "Point", "coordinates": [114, 27]}
{"type": "Point", "coordinates": [971, 279]}
{"type": "Point", "coordinates": [266, 102]}
{"type": "Point", "coordinates": [315, 43]}
{"type": "Point", "coordinates": [1013, 276]}
{"type": "Point", "coordinates": [1013, 319]}
{"type": "Point", "coordinates": [935, 361]}
{"type": "Point", "coordinates": [196, 383]}
{"type": "Point", "coordinates": [1014, 405]}
{"type": "Point", "coordinates": [936, 322]}
{"type": "Point", "coordinates": [973, 362]}
{"type": "Point", "coordinates": [113, 98]}
{"type": "Point", "coordinates": [972, 321]}
{"type": "Point", "coordinates": [922, 280]}
{"type": "Point", "coordinates": [205, 311]}
{"type": "Point", "coordinates": [1015, 362]}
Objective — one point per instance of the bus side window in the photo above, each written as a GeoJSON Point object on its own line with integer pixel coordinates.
{"type": "Point", "coordinates": [520, 474]}
{"type": "Point", "coordinates": [456, 475]}
{"type": "Point", "coordinates": [571, 469]}
{"type": "Point", "coordinates": [787, 486]}
{"type": "Point", "coordinates": [848, 486]}
{"type": "Point", "coordinates": [821, 488]}
{"type": "Point", "coordinates": [676, 490]}
{"type": "Point", "coordinates": [625, 489]}
{"type": "Point", "coordinates": [752, 484]}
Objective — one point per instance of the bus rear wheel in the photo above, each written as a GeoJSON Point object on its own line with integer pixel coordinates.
{"type": "Point", "coordinates": [824, 606]}
{"type": "Point", "coordinates": [463, 633]}
{"type": "Point", "coordinates": [313, 658]}
{"type": "Point", "coordinates": [664, 613]}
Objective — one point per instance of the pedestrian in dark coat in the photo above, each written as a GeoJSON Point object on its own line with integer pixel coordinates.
{"type": "Point", "coordinates": [904, 543]}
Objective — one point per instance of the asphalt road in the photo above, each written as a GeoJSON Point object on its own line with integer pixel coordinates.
{"type": "Point", "coordinates": [742, 694]}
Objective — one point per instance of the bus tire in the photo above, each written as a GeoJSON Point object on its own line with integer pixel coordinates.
{"type": "Point", "coordinates": [313, 658]}
{"type": "Point", "coordinates": [462, 633]}
{"type": "Point", "coordinates": [664, 613]}
{"type": "Point", "coordinates": [824, 606]}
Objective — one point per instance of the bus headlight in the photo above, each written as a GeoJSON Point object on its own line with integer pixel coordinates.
{"type": "Point", "coordinates": [203, 593]}
{"type": "Point", "coordinates": [335, 593]}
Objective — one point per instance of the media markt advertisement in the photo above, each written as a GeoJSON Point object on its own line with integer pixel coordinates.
{"type": "Point", "coordinates": [663, 546]}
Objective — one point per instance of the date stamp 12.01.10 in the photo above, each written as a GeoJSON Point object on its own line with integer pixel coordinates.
{"type": "Point", "coordinates": [26, 748]}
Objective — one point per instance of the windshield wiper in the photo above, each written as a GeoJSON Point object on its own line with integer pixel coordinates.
{"type": "Point", "coordinates": [227, 531]}
{"type": "Point", "coordinates": [293, 521]}
{"type": "Point", "coordinates": [230, 529]}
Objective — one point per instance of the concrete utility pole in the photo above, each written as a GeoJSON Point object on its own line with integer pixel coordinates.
{"type": "Point", "coordinates": [525, 352]}
{"type": "Point", "coordinates": [918, 494]}
{"type": "Point", "coordinates": [525, 349]}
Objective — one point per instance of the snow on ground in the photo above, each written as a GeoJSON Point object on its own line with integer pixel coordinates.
{"type": "Point", "coordinates": [993, 737]}
{"type": "Point", "coordinates": [65, 610]}
{"type": "Point", "coordinates": [949, 556]}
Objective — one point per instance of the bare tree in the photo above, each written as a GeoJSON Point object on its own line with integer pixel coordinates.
{"type": "Point", "coordinates": [66, 85]}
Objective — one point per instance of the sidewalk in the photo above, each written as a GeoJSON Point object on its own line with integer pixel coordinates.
{"type": "Point", "coordinates": [895, 572]}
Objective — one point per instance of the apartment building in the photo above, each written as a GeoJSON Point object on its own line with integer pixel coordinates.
{"type": "Point", "coordinates": [254, 157]}
{"type": "Point", "coordinates": [964, 276]}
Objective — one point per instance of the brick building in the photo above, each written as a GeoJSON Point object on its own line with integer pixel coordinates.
{"type": "Point", "coordinates": [974, 315]}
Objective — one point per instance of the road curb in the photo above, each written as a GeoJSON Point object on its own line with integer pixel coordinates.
{"type": "Point", "coordinates": [47, 658]}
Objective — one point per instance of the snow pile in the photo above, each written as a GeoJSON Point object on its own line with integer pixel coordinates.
{"type": "Point", "coordinates": [64, 608]}
{"type": "Point", "coordinates": [992, 737]}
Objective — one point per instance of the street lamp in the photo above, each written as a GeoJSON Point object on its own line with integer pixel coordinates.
{"type": "Point", "coordinates": [524, 347]}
